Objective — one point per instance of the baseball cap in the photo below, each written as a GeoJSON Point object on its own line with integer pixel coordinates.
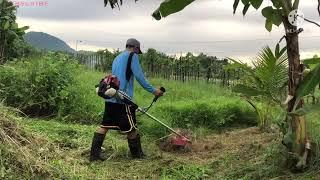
{"type": "Point", "coordinates": [135, 43]}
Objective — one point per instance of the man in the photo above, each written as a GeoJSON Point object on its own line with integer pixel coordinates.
{"type": "Point", "coordinates": [118, 115]}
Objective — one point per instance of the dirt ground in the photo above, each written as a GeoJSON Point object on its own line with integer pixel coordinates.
{"type": "Point", "coordinates": [236, 140]}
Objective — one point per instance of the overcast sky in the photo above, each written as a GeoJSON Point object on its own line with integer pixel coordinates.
{"type": "Point", "coordinates": [204, 26]}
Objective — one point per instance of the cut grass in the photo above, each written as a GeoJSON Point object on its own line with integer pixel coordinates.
{"type": "Point", "coordinates": [236, 154]}
{"type": "Point", "coordinates": [23, 154]}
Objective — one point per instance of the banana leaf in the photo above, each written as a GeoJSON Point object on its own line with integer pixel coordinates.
{"type": "Point", "coordinates": [169, 7]}
{"type": "Point", "coordinates": [309, 83]}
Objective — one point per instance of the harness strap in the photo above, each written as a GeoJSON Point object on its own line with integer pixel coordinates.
{"type": "Point", "coordinates": [129, 71]}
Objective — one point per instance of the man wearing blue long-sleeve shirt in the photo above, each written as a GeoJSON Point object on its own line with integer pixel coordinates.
{"type": "Point", "coordinates": [118, 115]}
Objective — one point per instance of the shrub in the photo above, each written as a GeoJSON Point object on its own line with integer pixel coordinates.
{"type": "Point", "coordinates": [37, 87]}
{"type": "Point", "coordinates": [82, 105]}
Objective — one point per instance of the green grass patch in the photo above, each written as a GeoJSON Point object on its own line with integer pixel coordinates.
{"type": "Point", "coordinates": [57, 87]}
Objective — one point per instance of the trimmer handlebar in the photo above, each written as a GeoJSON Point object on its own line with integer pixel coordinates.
{"type": "Point", "coordinates": [156, 98]}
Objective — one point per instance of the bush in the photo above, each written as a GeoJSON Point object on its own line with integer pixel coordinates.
{"type": "Point", "coordinates": [82, 104]}
{"type": "Point", "coordinates": [56, 86]}
{"type": "Point", "coordinates": [37, 87]}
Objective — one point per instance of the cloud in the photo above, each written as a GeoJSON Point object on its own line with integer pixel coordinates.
{"type": "Point", "coordinates": [205, 26]}
{"type": "Point", "coordinates": [79, 10]}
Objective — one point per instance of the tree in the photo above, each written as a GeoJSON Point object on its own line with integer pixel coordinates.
{"type": "Point", "coordinates": [9, 30]}
{"type": "Point", "coordinates": [276, 14]}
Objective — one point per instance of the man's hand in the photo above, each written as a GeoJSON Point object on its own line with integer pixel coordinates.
{"type": "Point", "coordinates": [158, 93]}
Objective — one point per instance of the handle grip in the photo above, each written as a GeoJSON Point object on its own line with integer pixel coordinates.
{"type": "Point", "coordinates": [156, 98]}
{"type": "Point", "coordinates": [163, 89]}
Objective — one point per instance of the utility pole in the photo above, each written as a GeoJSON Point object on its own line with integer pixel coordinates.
{"type": "Point", "coordinates": [77, 41]}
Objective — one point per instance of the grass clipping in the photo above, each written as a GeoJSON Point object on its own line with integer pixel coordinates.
{"type": "Point", "coordinates": [21, 154]}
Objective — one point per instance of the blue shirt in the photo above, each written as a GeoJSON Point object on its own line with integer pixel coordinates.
{"type": "Point", "coordinates": [119, 67]}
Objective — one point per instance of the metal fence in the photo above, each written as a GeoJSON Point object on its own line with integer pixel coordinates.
{"type": "Point", "coordinates": [180, 69]}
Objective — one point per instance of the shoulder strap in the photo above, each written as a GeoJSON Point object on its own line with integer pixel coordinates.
{"type": "Point", "coordinates": [129, 71]}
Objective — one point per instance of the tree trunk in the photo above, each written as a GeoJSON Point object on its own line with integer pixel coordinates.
{"type": "Point", "coordinates": [297, 123]}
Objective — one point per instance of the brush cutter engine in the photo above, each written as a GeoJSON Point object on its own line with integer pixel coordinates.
{"type": "Point", "coordinates": [109, 82]}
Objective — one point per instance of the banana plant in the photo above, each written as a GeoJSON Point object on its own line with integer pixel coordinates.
{"type": "Point", "coordinates": [307, 85]}
{"type": "Point", "coordinates": [9, 29]}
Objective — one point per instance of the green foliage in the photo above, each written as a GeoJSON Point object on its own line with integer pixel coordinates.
{"type": "Point", "coordinates": [21, 49]}
{"type": "Point", "coordinates": [82, 104]}
{"type": "Point", "coordinates": [53, 85]}
{"type": "Point", "coordinates": [266, 81]}
{"type": "Point", "coordinates": [214, 113]}
{"type": "Point", "coordinates": [313, 125]}
{"type": "Point", "coordinates": [247, 3]}
{"type": "Point", "coordinates": [247, 91]}
{"type": "Point", "coordinates": [312, 61]}
{"type": "Point", "coordinates": [165, 9]}
{"type": "Point", "coordinates": [37, 87]}
{"type": "Point", "coordinates": [169, 7]}
{"type": "Point", "coordinates": [185, 68]}
{"type": "Point", "coordinates": [273, 14]}
{"type": "Point", "coordinates": [108, 57]}
{"type": "Point", "coordinates": [309, 83]}
{"type": "Point", "coordinates": [9, 30]}
{"type": "Point", "coordinates": [267, 78]}
{"type": "Point", "coordinates": [235, 6]}
{"type": "Point", "coordinates": [307, 86]}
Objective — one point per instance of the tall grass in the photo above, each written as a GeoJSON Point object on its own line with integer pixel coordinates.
{"type": "Point", "coordinates": [193, 105]}
{"type": "Point", "coordinates": [83, 105]}
{"type": "Point", "coordinates": [66, 91]}
{"type": "Point", "coordinates": [313, 127]}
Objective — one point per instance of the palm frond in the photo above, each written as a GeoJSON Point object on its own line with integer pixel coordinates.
{"type": "Point", "coordinates": [269, 73]}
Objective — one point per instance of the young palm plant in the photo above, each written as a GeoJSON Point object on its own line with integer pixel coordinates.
{"type": "Point", "coordinates": [265, 82]}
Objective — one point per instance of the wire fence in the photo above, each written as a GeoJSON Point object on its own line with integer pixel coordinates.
{"type": "Point", "coordinates": [189, 68]}
{"type": "Point", "coordinates": [185, 69]}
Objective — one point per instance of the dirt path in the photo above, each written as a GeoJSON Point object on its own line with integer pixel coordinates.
{"type": "Point", "coordinates": [234, 154]}
{"type": "Point", "coordinates": [234, 141]}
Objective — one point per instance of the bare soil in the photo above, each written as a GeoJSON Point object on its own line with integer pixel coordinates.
{"type": "Point", "coordinates": [245, 142]}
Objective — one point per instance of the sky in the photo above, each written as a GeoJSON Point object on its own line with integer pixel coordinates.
{"type": "Point", "coordinates": [207, 26]}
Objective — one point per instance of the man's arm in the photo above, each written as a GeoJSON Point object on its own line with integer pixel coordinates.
{"type": "Point", "coordinates": [138, 74]}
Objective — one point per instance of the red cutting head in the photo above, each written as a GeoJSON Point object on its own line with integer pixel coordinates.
{"type": "Point", "coordinates": [179, 141]}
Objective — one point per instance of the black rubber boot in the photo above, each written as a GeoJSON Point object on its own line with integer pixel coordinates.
{"type": "Point", "coordinates": [97, 141]}
{"type": "Point", "coordinates": [135, 147]}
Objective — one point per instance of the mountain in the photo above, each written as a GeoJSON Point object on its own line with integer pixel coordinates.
{"type": "Point", "coordinates": [46, 41]}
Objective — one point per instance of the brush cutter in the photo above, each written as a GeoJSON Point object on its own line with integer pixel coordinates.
{"type": "Point", "coordinates": [180, 140]}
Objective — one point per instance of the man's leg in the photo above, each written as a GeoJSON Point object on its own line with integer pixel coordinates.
{"type": "Point", "coordinates": [97, 141]}
{"type": "Point", "coordinates": [135, 144]}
